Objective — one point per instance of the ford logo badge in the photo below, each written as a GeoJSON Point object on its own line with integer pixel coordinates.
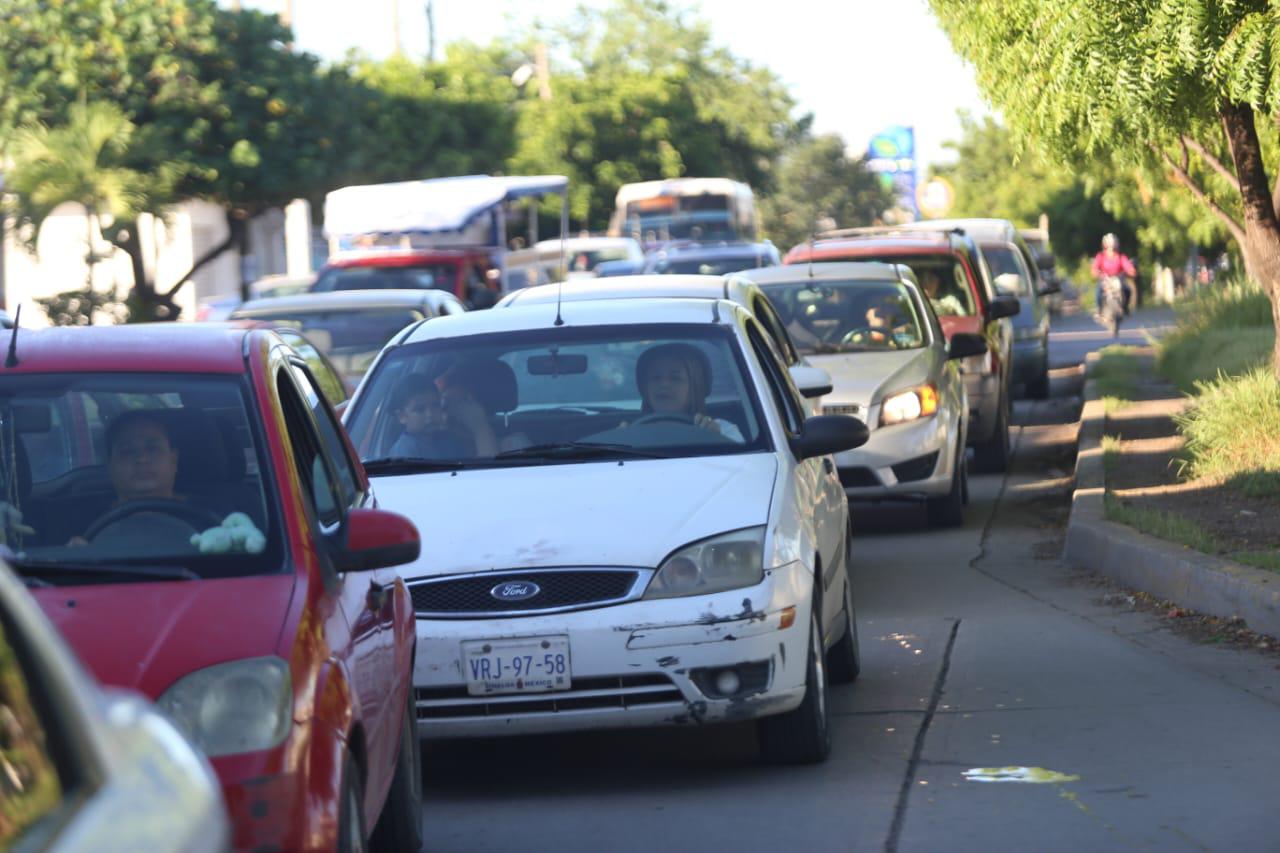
{"type": "Point", "coordinates": [515, 591]}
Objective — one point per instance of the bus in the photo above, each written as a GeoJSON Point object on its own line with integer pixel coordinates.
{"type": "Point", "coordinates": [655, 212]}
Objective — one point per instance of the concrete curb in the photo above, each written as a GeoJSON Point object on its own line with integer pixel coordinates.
{"type": "Point", "coordinates": [1200, 582]}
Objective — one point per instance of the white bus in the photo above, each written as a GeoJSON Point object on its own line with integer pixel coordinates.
{"type": "Point", "coordinates": [685, 209]}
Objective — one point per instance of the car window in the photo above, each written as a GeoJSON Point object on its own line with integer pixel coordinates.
{"type": "Point", "coordinates": [942, 278]}
{"type": "Point", "coordinates": [330, 382]}
{"type": "Point", "coordinates": [308, 456]}
{"type": "Point", "coordinates": [330, 437]}
{"type": "Point", "coordinates": [424, 277]}
{"type": "Point", "coordinates": [667, 390]}
{"type": "Point", "coordinates": [774, 327]}
{"type": "Point", "coordinates": [32, 787]}
{"type": "Point", "coordinates": [789, 408]}
{"type": "Point", "coordinates": [157, 468]}
{"type": "Point", "coordinates": [718, 265]}
{"type": "Point", "coordinates": [830, 316]}
{"type": "Point", "coordinates": [1008, 271]}
{"type": "Point", "coordinates": [350, 338]}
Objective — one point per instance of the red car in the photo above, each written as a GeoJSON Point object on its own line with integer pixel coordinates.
{"type": "Point", "coordinates": [461, 272]}
{"type": "Point", "coordinates": [190, 515]}
{"type": "Point", "coordinates": [954, 275]}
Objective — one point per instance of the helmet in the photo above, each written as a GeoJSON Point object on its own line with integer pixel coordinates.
{"type": "Point", "coordinates": [1110, 241]}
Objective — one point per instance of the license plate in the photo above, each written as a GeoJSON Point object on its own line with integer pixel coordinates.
{"type": "Point", "coordinates": [525, 665]}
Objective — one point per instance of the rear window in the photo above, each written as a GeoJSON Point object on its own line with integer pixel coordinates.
{"type": "Point", "coordinates": [941, 277]}
{"type": "Point", "coordinates": [425, 277]}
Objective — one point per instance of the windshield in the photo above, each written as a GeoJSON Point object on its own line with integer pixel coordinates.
{"type": "Point", "coordinates": [587, 261]}
{"type": "Point", "coordinates": [549, 394]}
{"type": "Point", "coordinates": [848, 316]}
{"type": "Point", "coordinates": [350, 338]}
{"type": "Point", "coordinates": [719, 265]}
{"type": "Point", "coordinates": [656, 220]}
{"type": "Point", "coordinates": [436, 276]}
{"type": "Point", "coordinates": [145, 470]}
{"type": "Point", "coordinates": [942, 279]}
{"type": "Point", "coordinates": [1003, 261]}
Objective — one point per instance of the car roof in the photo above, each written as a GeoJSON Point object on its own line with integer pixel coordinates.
{"type": "Point", "coordinates": [716, 250]}
{"type": "Point", "coordinates": [878, 241]}
{"type": "Point", "coordinates": [981, 229]}
{"type": "Point", "coordinates": [825, 271]}
{"type": "Point", "coordinates": [142, 347]}
{"type": "Point", "coordinates": [591, 312]}
{"type": "Point", "coordinates": [395, 257]}
{"type": "Point", "coordinates": [623, 287]}
{"type": "Point", "coordinates": [340, 300]}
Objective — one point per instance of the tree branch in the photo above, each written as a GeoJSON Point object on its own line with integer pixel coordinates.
{"type": "Point", "coordinates": [1181, 176]}
{"type": "Point", "coordinates": [206, 258]}
{"type": "Point", "coordinates": [1214, 163]}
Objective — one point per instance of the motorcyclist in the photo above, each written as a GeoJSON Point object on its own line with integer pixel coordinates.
{"type": "Point", "coordinates": [1110, 262]}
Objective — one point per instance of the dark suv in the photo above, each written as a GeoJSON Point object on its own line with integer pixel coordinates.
{"type": "Point", "coordinates": [953, 273]}
{"type": "Point", "coordinates": [711, 258]}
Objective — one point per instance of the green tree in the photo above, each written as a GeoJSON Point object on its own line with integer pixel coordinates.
{"type": "Point", "coordinates": [1173, 85]}
{"type": "Point", "coordinates": [819, 186]}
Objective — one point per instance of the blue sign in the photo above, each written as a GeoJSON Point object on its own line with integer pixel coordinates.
{"type": "Point", "coordinates": [892, 155]}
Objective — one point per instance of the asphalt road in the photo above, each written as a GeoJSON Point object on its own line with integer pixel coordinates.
{"type": "Point", "coordinates": [980, 650]}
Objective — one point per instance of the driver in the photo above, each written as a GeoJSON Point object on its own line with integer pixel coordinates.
{"type": "Point", "coordinates": [141, 460]}
{"type": "Point", "coordinates": [675, 379]}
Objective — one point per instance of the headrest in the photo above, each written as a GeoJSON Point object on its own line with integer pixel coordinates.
{"type": "Point", "coordinates": [492, 382]}
{"type": "Point", "coordinates": [202, 450]}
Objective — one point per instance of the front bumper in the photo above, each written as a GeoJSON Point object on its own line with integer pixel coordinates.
{"type": "Point", "coordinates": [635, 664]}
{"type": "Point", "coordinates": [906, 461]}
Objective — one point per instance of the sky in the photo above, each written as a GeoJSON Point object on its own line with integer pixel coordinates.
{"type": "Point", "coordinates": [858, 66]}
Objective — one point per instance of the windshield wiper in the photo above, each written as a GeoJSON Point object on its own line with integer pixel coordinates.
{"type": "Point", "coordinates": [53, 568]}
{"type": "Point", "coordinates": [580, 450]}
{"type": "Point", "coordinates": [393, 465]}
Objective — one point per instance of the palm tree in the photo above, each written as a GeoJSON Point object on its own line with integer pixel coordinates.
{"type": "Point", "coordinates": [83, 161]}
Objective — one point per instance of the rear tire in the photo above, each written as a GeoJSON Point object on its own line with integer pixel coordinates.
{"type": "Point", "coordinates": [992, 455]}
{"type": "Point", "coordinates": [948, 510]}
{"type": "Point", "coordinates": [1038, 389]}
{"type": "Point", "coordinates": [802, 735]}
{"type": "Point", "coordinates": [399, 827]}
{"type": "Point", "coordinates": [351, 833]}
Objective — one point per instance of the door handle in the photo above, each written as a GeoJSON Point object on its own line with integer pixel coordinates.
{"type": "Point", "coordinates": [377, 597]}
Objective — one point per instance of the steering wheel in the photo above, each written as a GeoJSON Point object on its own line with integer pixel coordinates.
{"type": "Point", "coordinates": [664, 417]}
{"type": "Point", "coordinates": [198, 517]}
{"type": "Point", "coordinates": [858, 333]}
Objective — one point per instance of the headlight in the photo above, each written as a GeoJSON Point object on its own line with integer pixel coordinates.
{"type": "Point", "coordinates": [908, 405]}
{"type": "Point", "coordinates": [241, 706]}
{"type": "Point", "coordinates": [729, 561]}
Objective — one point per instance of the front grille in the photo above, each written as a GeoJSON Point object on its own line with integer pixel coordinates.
{"type": "Point", "coordinates": [916, 469]}
{"type": "Point", "coordinates": [858, 478]}
{"type": "Point", "coordinates": [609, 692]}
{"type": "Point", "coordinates": [568, 588]}
{"type": "Point", "coordinates": [842, 409]}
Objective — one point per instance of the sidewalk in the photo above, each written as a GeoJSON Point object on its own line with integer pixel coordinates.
{"type": "Point", "coordinates": [1127, 471]}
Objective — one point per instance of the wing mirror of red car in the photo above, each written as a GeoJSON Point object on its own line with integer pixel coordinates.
{"type": "Point", "coordinates": [377, 539]}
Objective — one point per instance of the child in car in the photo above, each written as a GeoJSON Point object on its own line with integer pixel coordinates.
{"type": "Point", "coordinates": [427, 434]}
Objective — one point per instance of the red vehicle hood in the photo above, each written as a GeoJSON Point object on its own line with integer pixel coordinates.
{"type": "Point", "coordinates": [148, 635]}
{"type": "Point", "coordinates": [951, 325]}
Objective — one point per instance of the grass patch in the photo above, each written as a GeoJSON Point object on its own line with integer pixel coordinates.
{"type": "Point", "coordinates": [1226, 329]}
{"type": "Point", "coordinates": [1269, 560]}
{"type": "Point", "coordinates": [1233, 432]}
{"type": "Point", "coordinates": [1162, 525]}
{"type": "Point", "coordinates": [1116, 376]}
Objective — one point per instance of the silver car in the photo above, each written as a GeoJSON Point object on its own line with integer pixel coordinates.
{"type": "Point", "coordinates": [870, 328]}
{"type": "Point", "coordinates": [83, 768]}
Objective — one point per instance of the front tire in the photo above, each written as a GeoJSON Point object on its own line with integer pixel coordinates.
{"type": "Point", "coordinates": [399, 827]}
{"type": "Point", "coordinates": [948, 510]}
{"type": "Point", "coordinates": [844, 661]}
{"type": "Point", "coordinates": [351, 832]}
{"type": "Point", "coordinates": [1038, 388]}
{"type": "Point", "coordinates": [802, 735]}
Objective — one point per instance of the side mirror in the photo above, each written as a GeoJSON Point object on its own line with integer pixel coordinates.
{"type": "Point", "coordinates": [811, 381]}
{"type": "Point", "coordinates": [377, 539]}
{"type": "Point", "coordinates": [965, 344]}
{"type": "Point", "coordinates": [1004, 305]}
{"type": "Point", "coordinates": [823, 434]}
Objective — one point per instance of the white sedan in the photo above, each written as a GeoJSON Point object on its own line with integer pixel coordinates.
{"type": "Point", "coordinates": [630, 521]}
{"type": "Point", "coordinates": [869, 326]}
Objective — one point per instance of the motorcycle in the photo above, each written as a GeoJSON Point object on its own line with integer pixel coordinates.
{"type": "Point", "coordinates": [1111, 308]}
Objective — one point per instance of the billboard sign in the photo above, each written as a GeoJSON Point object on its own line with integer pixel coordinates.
{"type": "Point", "coordinates": [892, 155]}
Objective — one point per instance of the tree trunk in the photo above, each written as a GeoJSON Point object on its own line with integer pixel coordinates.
{"type": "Point", "coordinates": [236, 228]}
{"type": "Point", "coordinates": [1262, 229]}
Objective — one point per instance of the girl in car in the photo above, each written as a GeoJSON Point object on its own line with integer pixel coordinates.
{"type": "Point", "coordinates": [675, 379]}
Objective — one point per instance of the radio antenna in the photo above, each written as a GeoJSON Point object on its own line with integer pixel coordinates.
{"type": "Point", "coordinates": [11, 360]}
{"type": "Point", "coordinates": [564, 256]}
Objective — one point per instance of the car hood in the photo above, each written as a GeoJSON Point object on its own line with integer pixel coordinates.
{"type": "Point", "coordinates": [146, 636]}
{"type": "Point", "coordinates": [865, 377]}
{"type": "Point", "coordinates": [583, 514]}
